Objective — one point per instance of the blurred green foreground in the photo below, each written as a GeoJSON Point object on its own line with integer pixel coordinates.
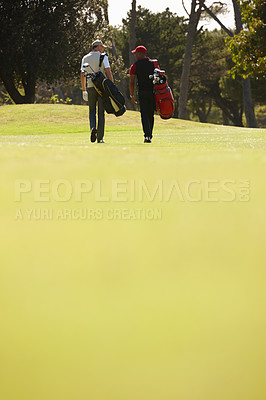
{"type": "Point", "coordinates": [100, 301]}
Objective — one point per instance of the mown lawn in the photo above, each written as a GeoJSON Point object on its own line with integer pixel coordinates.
{"type": "Point", "coordinates": [130, 271]}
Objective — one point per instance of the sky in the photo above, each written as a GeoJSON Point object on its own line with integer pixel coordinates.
{"type": "Point", "coordinates": [118, 10]}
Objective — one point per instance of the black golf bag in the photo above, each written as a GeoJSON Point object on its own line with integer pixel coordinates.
{"type": "Point", "coordinates": [113, 100]}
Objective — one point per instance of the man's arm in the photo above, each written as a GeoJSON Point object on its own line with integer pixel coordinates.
{"type": "Point", "coordinates": [109, 74]}
{"type": "Point", "coordinates": [83, 81]}
{"type": "Point", "coordinates": [132, 88]}
{"type": "Point", "coordinates": [83, 86]}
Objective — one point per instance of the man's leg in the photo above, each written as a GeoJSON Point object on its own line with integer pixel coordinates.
{"type": "Point", "coordinates": [151, 114]}
{"type": "Point", "coordinates": [145, 120]}
{"type": "Point", "coordinates": [151, 104]}
{"type": "Point", "coordinates": [101, 119]}
{"type": "Point", "coordinates": [146, 102]}
{"type": "Point", "coordinates": [92, 100]}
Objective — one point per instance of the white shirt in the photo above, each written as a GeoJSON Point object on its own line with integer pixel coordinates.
{"type": "Point", "coordinates": [93, 58]}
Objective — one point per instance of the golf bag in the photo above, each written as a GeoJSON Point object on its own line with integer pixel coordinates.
{"type": "Point", "coordinates": [164, 100]}
{"type": "Point", "coordinates": [113, 100]}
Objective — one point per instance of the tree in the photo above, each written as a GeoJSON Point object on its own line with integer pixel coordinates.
{"type": "Point", "coordinates": [246, 84]}
{"type": "Point", "coordinates": [210, 83]}
{"type": "Point", "coordinates": [248, 46]}
{"type": "Point", "coordinates": [247, 95]}
{"type": "Point", "coordinates": [132, 31]}
{"type": "Point", "coordinates": [194, 18]}
{"type": "Point", "coordinates": [164, 36]}
{"type": "Point", "coordinates": [43, 40]}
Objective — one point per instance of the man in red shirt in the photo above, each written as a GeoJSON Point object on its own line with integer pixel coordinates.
{"type": "Point", "coordinates": [142, 69]}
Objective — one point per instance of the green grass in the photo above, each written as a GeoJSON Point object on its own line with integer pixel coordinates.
{"type": "Point", "coordinates": [131, 309]}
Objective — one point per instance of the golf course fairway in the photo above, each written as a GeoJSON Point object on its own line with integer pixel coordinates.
{"type": "Point", "coordinates": [130, 271]}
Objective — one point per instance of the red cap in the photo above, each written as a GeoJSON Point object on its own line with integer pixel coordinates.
{"type": "Point", "coordinates": [139, 49]}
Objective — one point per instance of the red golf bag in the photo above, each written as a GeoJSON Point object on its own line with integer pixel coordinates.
{"type": "Point", "coordinates": [164, 99]}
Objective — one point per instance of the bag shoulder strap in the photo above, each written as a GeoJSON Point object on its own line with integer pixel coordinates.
{"type": "Point", "coordinates": [101, 59]}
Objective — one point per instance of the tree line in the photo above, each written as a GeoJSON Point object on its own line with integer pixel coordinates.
{"type": "Point", "coordinates": [217, 76]}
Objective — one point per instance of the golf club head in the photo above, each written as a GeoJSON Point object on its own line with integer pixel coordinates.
{"type": "Point", "coordinates": [159, 71]}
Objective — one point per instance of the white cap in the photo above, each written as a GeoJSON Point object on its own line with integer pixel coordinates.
{"type": "Point", "coordinates": [98, 42]}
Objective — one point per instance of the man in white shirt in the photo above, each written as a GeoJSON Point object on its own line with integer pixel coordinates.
{"type": "Point", "coordinates": [90, 94]}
